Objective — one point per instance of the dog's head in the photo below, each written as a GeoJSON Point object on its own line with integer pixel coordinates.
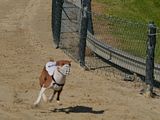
{"type": "Point", "coordinates": [65, 69]}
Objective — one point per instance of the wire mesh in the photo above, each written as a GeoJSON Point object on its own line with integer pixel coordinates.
{"type": "Point", "coordinates": [121, 34]}
{"type": "Point", "coordinates": [157, 50]}
{"type": "Point", "coordinates": [70, 30]}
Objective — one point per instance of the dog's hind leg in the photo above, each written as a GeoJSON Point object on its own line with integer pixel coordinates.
{"type": "Point", "coordinates": [39, 96]}
{"type": "Point", "coordinates": [44, 97]}
{"type": "Point", "coordinates": [52, 96]}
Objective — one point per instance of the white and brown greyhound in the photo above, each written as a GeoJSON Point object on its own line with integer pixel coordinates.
{"type": "Point", "coordinates": [53, 76]}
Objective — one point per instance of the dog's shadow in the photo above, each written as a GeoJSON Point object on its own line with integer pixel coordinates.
{"type": "Point", "coordinates": [78, 109]}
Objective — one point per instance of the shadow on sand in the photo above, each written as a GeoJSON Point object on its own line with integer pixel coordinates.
{"type": "Point", "coordinates": [78, 109]}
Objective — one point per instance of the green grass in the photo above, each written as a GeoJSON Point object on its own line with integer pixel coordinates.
{"type": "Point", "coordinates": [141, 11]}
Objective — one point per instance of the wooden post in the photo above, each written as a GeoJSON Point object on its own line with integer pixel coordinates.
{"type": "Point", "coordinates": [151, 43]}
{"type": "Point", "coordinates": [53, 14]}
{"type": "Point", "coordinates": [83, 33]}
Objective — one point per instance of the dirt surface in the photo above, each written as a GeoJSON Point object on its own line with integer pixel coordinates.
{"type": "Point", "coordinates": [26, 45]}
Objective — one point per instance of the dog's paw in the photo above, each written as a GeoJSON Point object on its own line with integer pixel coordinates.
{"type": "Point", "coordinates": [58, 102]}
{"type": "Point", "coordinates": [35, 105]}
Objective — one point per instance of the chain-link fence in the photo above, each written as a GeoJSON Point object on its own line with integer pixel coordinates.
{"type": "Point", "coordinates": [122, 34]}
{"type": "Point", "coordinates": [70, 30]}
{"type": "Point", "coordinates": [157, 51]}
{"type": "Point", "coordinates": [119, 42]}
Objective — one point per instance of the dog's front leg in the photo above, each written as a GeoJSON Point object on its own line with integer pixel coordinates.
{"type": "Point", "coordinates": [39, 96]}
{"type": "Point", "coordinates": [58, 97]}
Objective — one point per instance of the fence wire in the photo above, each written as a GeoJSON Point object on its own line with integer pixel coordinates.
{"type": "Point", "coordinates": [70, 30]}
{"type": "Point", "coordinates": [123, 37]}
{"type": "Point", "coordinates": [122, 34]}
{"type": "Point", "coordinates": [157, 51]}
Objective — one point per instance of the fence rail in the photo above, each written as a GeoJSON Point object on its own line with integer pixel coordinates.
{"type": "Point", "coordinates": [120, 58]}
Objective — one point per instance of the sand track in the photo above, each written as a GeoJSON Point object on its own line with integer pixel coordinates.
{"type": "Point", "coordinates": [26, 45]}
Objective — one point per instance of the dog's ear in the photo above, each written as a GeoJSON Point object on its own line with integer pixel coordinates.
{"type": "Point", "coordinates": [62, 62]}
{"type": "Point", "coordinates": [70, 63]}
{"type": "Point", "coordinates": [51, 59]}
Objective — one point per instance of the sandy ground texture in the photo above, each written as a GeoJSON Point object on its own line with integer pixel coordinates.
{"type": "Point", "coordinates": [26, 45]}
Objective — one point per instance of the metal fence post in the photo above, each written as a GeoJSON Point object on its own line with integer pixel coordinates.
{"type": "Point", "coordinates": [90, 22]}
{"type": "Point", "coordinates": [56, 24]}
{"type": "Point", "coordinates": [83, 33]}
{"type": "Point", "coordinates": [149, 79]}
